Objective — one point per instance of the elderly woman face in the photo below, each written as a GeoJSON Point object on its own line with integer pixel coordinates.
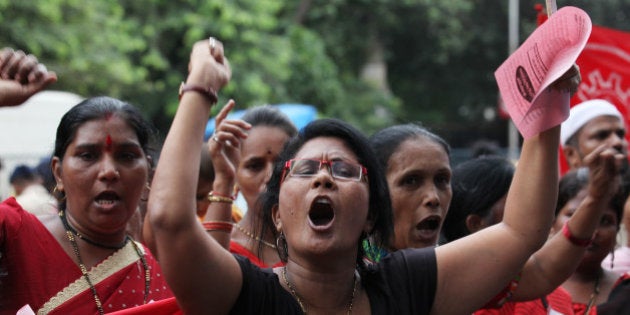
{"type": "Point", "coordinates": [323, 203]}
{"type": "Point", "coordinates": [103, 173]}
{"type": "Point", "coordinates": [419, 180]}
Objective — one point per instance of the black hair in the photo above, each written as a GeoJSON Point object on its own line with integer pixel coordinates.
{"type": "Point", "coordinates": [97, 108]}
{"type": "Point", "coordinates": [267, 115]}
{"type": "Point", "coordinates": [206, 169]}
{"type": "Point", "coordinates": [386, 141]}
{"type": "Point", "coordinates": [379, 211]}
{"type": "Point", "coordinates": [44, 170]}
{"type": "Point", "coordinates": [477, 185]}
{"type": "Point", "coordinates": [576, 180]}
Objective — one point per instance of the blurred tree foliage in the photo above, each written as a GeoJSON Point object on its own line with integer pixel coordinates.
{"type": "Point", "coordinates": [440, 55]}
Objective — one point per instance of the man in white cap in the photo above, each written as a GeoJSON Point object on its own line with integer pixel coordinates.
{"type": "Point", "coordinates": [590, 124]}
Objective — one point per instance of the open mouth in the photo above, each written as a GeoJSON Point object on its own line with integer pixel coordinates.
{"type": "Point", "coordinates": [321, 212]}
{"type": "Point", "coordinates": [431, 223]}
{"type": "Point", "coordinates": [107, 198]}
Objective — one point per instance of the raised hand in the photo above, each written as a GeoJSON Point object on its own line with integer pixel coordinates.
{"type": "Point", "coordinates": [604, 164]}
{"type": "Point", "coordinates": [224, 145]}
{"type": "Point", "coordinates": [21, 77]}
{"type": "Point", "coordinates": [208, 66]}
{"type": "Point", "coordinates": [569, 81]}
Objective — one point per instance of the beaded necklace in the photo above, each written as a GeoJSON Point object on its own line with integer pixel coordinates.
{"type": "Point", "coordinates": [255, 238]}
{"type": "Point", "coordinates": [591, 300]}
{"type": "Point", "coordinates": [70, 233]}
{"type": "Point", "coordinates": [302, 304]}
{"type": "Point", "coordinates": [69, 228]}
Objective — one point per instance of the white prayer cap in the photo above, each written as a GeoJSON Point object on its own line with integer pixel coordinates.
{"type": "Point", "coordinates": [582, 113]}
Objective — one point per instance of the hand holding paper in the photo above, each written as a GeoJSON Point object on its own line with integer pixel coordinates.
{"type": "Point", "coordinates": [525, 78]}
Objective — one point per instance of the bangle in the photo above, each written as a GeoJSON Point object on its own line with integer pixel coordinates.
{"type": "Point", "coordinates": [581, 242]}
{"type": "Point", "coordinates": [216, 197]}
{"type": "Point", "coordinates": [208, 92]}
{"type": "Point", "coordinates": [222, 226]}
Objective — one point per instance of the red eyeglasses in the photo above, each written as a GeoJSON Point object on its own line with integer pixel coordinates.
{"type": "Point", "coordinates": [338, 169]}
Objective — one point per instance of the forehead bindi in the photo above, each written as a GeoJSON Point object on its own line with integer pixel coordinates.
{"type": "Point", "coordinates": [264, 141]}
{"type": "Point", "coordinates": [105, 133]}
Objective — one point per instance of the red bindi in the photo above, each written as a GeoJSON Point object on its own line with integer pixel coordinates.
{"type": "Point", "coordinates": [108, 143]}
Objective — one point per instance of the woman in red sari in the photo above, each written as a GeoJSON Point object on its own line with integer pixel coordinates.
{"type": "Point", "coordinates": [81, 260]}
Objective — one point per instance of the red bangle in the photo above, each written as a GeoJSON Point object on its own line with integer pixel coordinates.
{"type": "Point", "coordinates": [581, 242]}
{"type": "Point", "coordinates": [208, 92]}
{"type": "Point", "coordinates": [218, 226]}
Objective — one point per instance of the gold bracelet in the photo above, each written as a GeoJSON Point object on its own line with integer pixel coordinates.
{"type": "Point", "coordinates": [221, 199]}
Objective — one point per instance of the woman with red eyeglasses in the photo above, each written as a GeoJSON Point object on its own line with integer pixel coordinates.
{"type": "Point", "coordinates": [328, 193]}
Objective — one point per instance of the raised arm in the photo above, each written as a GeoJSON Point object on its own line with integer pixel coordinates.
{"type": "Point", "coordinates": [477, 267]}
{"type": "Point", "coordinates": [21, 76]}
{"type": "Point", "coordinates": [224, 146]}
{"type": "Point", "coordinates": [200, 272]}
{"type": "Point", "coordinates": [549, 267]}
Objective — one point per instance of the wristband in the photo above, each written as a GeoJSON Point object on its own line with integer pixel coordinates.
{"type": "Point", "coordinates": [581, 242]}
{"type": "Point", "coordinates": [208, 92]}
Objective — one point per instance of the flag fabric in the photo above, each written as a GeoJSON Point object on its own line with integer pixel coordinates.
{"type": "Point", "coordinates": [605, 68]}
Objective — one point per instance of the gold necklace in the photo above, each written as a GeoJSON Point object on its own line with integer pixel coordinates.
{"type": "Point", "coordinates": [299, 300]}
{"type": "Point", "coordinates": [255, 238]}
{"type": "Point", "coordinates": [75, 247]}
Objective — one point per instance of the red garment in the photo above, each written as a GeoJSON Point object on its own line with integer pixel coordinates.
{"type": "Point", "coordinates": [163, 307]}
{"type": "Point", "coordinates": [237, 248]}
{"type": "Point", "coordinates": [580, 309]}
{"type": "Point", "coordinates": [170, 306]}
{"type": "Point", "coordinates": [559, 301]}
{"type": "Point", "coordinates": [605, 69]}
{"type": "Point", "coordinates": [35, 268]}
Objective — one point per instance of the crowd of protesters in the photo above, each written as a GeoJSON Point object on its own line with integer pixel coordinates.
{"type": "Point", "coordinates": [336, 222]}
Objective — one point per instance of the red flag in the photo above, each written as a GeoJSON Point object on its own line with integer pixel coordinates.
{"type": "Point", "coordinates": [605, 69]}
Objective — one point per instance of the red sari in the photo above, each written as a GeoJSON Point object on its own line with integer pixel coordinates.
{"type": "Point", "coordinates": [236, 248]}
{"type": "Point", "coordinates": [37, 271]}
{"type": "Point", "coordinates": [558, 302]}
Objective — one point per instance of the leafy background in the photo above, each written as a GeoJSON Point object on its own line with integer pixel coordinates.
{"type": "Point", "coordinates": [436, 58]}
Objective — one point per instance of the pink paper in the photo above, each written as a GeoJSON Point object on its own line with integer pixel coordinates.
{"type": "Point", "coordinates": [525, 76]}
{"type": "Point", "coordinates": [25, 310]}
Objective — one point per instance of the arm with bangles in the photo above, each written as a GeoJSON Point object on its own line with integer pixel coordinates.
{"type": "Point", "coordinates": [21, 76]}
{"type": "Point", "coordinates": [200, 272]}
{"type": "Point", "coordinates": [549, 267]}
{"type": "Point", "coordinates": [224, 146]}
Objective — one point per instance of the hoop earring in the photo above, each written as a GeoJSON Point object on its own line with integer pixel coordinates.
{"type": "Point", "coordinates": [58, 194]}
{"type": "Point", "coordinates": [612, 260]}
{"type": "Point", "coordinates": [282, 249]}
